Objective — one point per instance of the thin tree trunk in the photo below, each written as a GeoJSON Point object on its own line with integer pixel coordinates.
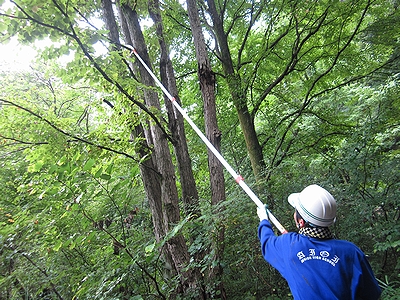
{"type": "Point", "coordinates": [150, 176]}
{"type": "Point", "coordinates": [238, 95]}
{"type": "Point", "coordinates": [217, 182]}
{"type": "Point", "coordinates": [190, 196]}
{"type": "Point", "coordinates": [176, 126]}
{"type": "Point", "coordinates": [169, 194]}
{"type": "Point", "coordinates": [111, 24]}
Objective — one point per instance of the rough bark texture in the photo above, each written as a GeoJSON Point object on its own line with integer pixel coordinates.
{"type": "Point", "coordinates": [190, 196]}
{"type": "Point", "coordinates": [111, 24]}
{"type": "Point", "coordinates": [238, 95]}
{"type": "Point", "coordinates": [150, 176]}
{"type": "Point", "coordinates": [176, 246]}
{"type": "Point", "coordinates": [213, 134]}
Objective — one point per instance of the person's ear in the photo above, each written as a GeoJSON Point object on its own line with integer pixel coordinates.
{"type": "Point", "coordinates": [301, 223]}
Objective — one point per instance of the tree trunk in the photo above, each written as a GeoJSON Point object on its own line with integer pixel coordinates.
{"type": "Point", "coordinates": [111, 24]}
{"type": "Point", "coordinates": [176, 246]}
{"type": "Point", "coordinates": [150, 176]}
{"type": "Point", "coordinates": [176, 126]}
{"type": "Point", "coordinates": [190, 196]}
{"type": "Point", "coordinates": [238, 95]}
{"type": "Point", "coordinates": [213, 134]}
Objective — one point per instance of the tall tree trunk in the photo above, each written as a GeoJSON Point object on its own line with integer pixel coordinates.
{"type": "Point", "coordinates": [190, 196]}
{"type": "Point", "coordinates": [150, 176]}
{"type": "Point", "coordinates": [152, 184]}
{"type": "Point", "coordinates": [238, 94]}
{"type": "Point", "coordinates": [217, 182]}
{"type": "Point", "coordinates": [169, 194]}
{"type": "Point", "coordinates": [176, 126]}
{"type": "Point", "coordinates": [111, 24]}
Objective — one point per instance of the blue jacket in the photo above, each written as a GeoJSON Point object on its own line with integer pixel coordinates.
{"type": "Point", "coordinates": [319, 268]}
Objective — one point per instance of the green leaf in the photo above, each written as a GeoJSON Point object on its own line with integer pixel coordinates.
{"type": "Point", "coordinates": [36, 167]}
{"type": "Point", "coordinates": [3, 26]}
{"type": "Point", "coordinates": [62, 160]}
{"type": "Point", "coordinates": [89, 164]}
{"type": "Point", "coordinates": [98, 173]}
{"type": "Point", "coordinates": [105, 176]}
{"type": "Point", "coordinates": [72, 245]}
{"type": "Point", "coordinates": [94, 39]}
{"type": "Point", "coordinates": [57, 246]}
{"type": "Point", "coordinates": [91, 237]}
{"type": "Point", "coordinates": [80, 239]}
{"type": "Point", "coordinates": [53, 168]}
{"type": "Point", "coordinates": [148, 249]}
{"type": "Point", "coordinates": [109, 168]}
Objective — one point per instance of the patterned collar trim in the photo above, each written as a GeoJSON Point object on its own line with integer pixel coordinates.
{"type": "Point", "coordinates": [317, 232]}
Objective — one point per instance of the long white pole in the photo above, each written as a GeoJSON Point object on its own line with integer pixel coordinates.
{"type": "Point", "coordinates": [236, 176]}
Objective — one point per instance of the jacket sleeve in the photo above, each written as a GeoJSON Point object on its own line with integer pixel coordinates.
{"type": "Point", "coordinates": [265, 232]}
{"type": "Point", "coordinates": [367, 286]}
{"type": "Point", "coordinates": [272, 247]}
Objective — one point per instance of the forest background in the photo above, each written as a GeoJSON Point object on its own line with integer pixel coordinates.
{"type": "Point", "coordinates": [106, 193]}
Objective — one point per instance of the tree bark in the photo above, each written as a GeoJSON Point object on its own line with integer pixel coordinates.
{"type": "Point", "coordinates": [190, 196]}
{"type": "Point", "coordinates": [151, 178]}
{"type": "Point", "coordinates": [213, 134]}
{"type": "Point", "coordinates": [176, 245]}
{"type": "Point", "coordinates": [238, 95]}
{"type": "Point", "coordinates": [111, 24]}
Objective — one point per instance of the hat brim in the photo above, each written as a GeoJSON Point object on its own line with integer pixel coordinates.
{"type": "Point", "coordinates": [293, 199]}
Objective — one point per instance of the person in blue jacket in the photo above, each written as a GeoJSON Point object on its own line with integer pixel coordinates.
{"type": "Point", "coordinates": [313, 262]}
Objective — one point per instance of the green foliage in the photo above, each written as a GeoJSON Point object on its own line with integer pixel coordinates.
{"type": "Point", "coordinates": [74, 218]}
{"type": "Point", "coordinates": [65, 203]}
{"type": "Point", "coordinates": [391, 289]}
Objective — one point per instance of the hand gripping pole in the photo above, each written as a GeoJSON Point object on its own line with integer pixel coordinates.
{"type": "Point", "coordinates": [236, 176]}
